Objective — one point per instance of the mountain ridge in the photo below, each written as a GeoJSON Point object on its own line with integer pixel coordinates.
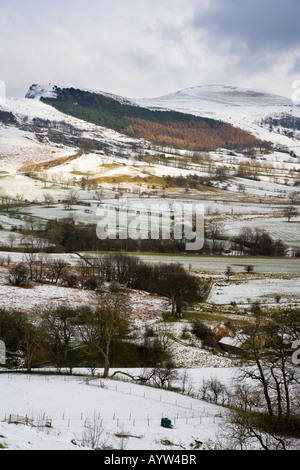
{"type": "Point", "coordinates": [228, 93]}
{"type": "Point", "coordinates": [37, 91]}
{"type": "Point", "coordinates": [166, 127]}
{"type": "Point", "coordinates": [26, 123]}
{"type": "Point", "coordinates": [251, 110]}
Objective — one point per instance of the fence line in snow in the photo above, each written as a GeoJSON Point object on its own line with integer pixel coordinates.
{"type": "Point", "coordinates": [65, 421]}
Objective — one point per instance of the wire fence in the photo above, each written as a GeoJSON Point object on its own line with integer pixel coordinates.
{"type": "Point", "coordinates": [130, 421]}
{"type": "Point", "coordinates": [181, 409]}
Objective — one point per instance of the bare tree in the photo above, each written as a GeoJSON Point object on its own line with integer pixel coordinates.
{"type": "Point", "coordinates": [228, 272]}
{"type": "Point", "coordinates": [214, 391]}
{"type": "Point", "coordinates": [249, 268]}
{"type": "Point", "coordinates": [33, 339]}
{"type": "Point", "coordinates": [31, 223]}
{"type": "Point", "coordinates": [93, 432]}
{"type": "Point", "coordinates": [49, 199]}
{"type": "Point", "coordinates": [274, 374]}
{"type": "Point", "coordinates": [290, 212]}
{"type": "Point", "coordinates": [294, 197]}
{"type": "Point", "coordinates": [18, 274]}
{"type": "Point", "coordinates": [71, 198]}
{"type": "Point", "coordinates": [101, 326]}
{"type": "Point", "coordinates": [243, 427]}
{"type": "Point", "coordinates": [60, 326]}
{"type": "Point", "coordinates": [56, 269]}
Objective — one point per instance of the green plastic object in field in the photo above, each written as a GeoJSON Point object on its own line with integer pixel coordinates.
{"type": "Point", "coordinates": [166, 423]}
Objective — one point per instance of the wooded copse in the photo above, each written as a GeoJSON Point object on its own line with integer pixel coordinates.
{"type": "Point", "coordinates": [91, 335]}
{"type": "Point", "coordinates": [168, 280]}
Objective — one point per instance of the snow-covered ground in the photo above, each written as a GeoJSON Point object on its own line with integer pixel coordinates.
{"type": "Point", "coordinates": [264, 291]}
{"type": "Point", "coordinates": [125, 408]}
{"type": "Point", "coordinates": [144, 306]}
{"type": "Point", "coordinates": [39, 295]}
{"type": "Point", "coordinates": [277, 227]}
{"type": "Point", "coordinates": [20, 149]}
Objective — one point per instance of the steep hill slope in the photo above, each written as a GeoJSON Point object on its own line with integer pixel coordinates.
{"type": "Point", "coordinates": [248, 109]}
{"type": "Point", "coordinates": [34, 132]}
{"type": "Point", "coordinates": [168, 127]}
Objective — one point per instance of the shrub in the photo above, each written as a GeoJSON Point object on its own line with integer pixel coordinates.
{"type": "Point", "coordinates": [204, 333]}
{"type": "Point", "coordinates": [18, 275]}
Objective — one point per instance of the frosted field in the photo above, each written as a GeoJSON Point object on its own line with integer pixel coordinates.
{"type": "Point", "coordinates": [260, 290]}
{"type": "Point", "coordinates": [233, 215]}
{"type": "Point", "coordinates": [215, 264]}
{"type": "Point", "coordinates": [125, 408]}
{"type": "Point", "coordinates": [30, 189]}
{"type": "Point", "coordinates": [278, 228]}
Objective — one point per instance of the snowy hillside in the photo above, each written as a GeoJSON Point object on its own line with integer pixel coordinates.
{"type": "Point", "coordinates": [250, 110]}
{"type": "Point", "coordinates": [130, 414]}
{"type": "Point", "coordinates": [241, 107]}
{"type": "Point", "coordinates": [226, 96]}
{"type": "Point", "coordinates": [40, 133]}
{"type": "Point", "coordinates": [38, 91]}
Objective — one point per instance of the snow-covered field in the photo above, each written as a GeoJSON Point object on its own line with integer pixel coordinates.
{"type": "Point", "coordinates": [144, 306]}
{"type": "Point", "coordinates": [37, 296]}
{"type": "Point", "coordinates": [278, 228]}
{"type": "Point", "coordinates": [126, 409]}
{"type": "Point", "coordinates": [264, 291]}
{"type": "Point", "coordinates": [20, 149]}
{"type": "Point", "coordinates": [218, 264]}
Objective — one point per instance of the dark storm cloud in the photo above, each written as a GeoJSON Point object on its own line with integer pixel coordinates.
{"type": "Point", "coordinates": [259, 24]}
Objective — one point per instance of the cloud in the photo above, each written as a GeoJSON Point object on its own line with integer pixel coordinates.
{"type": "Point", "coordinates": [258, 40]}
{"type": "Point", "coordinates": [258, 24]}
{"type": "Point", "coordinates": [150, 47]}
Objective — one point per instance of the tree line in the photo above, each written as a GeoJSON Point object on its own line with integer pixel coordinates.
{"type": "Point", "coordinates": [93, 335]}
{"type": "Point", "coordinates": [64, 236]}
{"type": "Point", "coordinates": [257, 242]}
{"type": "Point", "coordinates": [169, 280]}
{"type": "Point", "coordinates": [64, 336]}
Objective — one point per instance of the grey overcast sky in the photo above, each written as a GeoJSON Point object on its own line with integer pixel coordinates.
{"type": "Point", "coordinates": [147, 48]}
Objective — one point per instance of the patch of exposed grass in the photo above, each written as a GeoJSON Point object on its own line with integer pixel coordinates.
{"type": "Point", "coordinates": [126, 436]}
